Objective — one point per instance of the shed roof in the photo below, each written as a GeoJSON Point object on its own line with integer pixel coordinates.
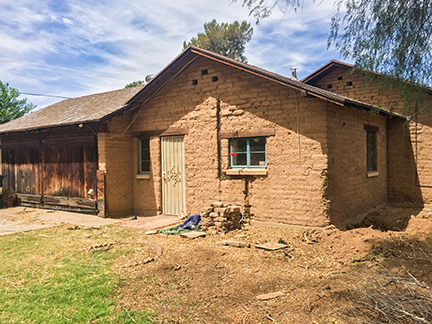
{"type": "Point", "coordinates": [86, 109]}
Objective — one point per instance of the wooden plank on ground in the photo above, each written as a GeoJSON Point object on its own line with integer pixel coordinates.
{"type": "Point", "coordinates": [30, 198]}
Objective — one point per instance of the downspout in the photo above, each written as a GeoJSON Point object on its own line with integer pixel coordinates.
{"type": "Point", "coordinates": [218, 138]}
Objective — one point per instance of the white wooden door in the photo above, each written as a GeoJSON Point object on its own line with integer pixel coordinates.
{"type": "Point", "coordinates": [173, 175]}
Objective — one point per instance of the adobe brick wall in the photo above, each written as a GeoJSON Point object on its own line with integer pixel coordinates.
{"type": "Point", "coordinates": [352, 194]}
{"type": "Point", "coordinates": [339, 78]}
{"type": "Point", "coordinates": [402, 174]}
{"type": "Point", "coordinates": [147, 192]}
{"type": "Point", "coordinates": [409, 149]}
{"type": "Point", "coordinates": [115, 158]}
{"type": "Point", "coordinates": [293, 190]}
{"type": "Point", "coordinates": [421, 140]}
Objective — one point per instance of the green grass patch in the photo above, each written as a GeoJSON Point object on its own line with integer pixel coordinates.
{"type": "Point", "coordinates": [49, 279]}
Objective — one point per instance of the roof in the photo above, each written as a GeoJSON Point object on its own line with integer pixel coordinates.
{"type": "Point", "coordinates": [334, 64]}
{"type": "Point", "coordinates": [102, 106]}
{"type": "Point", "coordinates": [326, 69]}
{"type": "Point", "coordinates": [86, 109]}
{"type": "Point", "coordinates": [163, 78]}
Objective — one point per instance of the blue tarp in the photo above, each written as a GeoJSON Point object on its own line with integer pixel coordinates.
{"type": "Point", "coordinates": [191, 222]}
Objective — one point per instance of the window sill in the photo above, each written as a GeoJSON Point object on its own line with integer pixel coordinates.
{"type": "Point", "coordinates": [246, 171]}
{"type": "Point", "coordinates": [372, 174]}
{"type": "Point", "coordinates": [143, 176]}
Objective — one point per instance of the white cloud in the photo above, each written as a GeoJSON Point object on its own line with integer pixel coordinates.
{"type": "Point", "coordinates": [77, 47]}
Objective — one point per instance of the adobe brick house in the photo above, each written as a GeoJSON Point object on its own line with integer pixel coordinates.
{"type": "Point", "coordinates": [208, 128]}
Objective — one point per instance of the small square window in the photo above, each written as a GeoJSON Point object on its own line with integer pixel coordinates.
{"type": "Point", "coordinates": [144, 155]}
{"type": "Point", "coordinates": [248, 152]}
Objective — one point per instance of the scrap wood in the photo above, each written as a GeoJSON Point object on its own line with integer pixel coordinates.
{"type": "Point", "coordinates": [270, 296]}
{"type": "Point", "coordinates": [272, 246]}
{"type": "Point", "coordinates": [234, 243]}
{"type": "Point", "coordinates": [193, 234]}
{"type": "Point", "coordinates": [156, 247]}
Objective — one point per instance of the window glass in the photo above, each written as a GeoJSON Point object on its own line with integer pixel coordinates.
{"type": "Point", "coordinates": [144, 155]}
{"type": "Point", "coordinates": [257, 159]}
{"type": "Point", "coordinates": [240, 159]}
{"type": "Point", "coordinates": [257, 144]}
{"type": "Point", "coordinates": [239, 145]}
{"type": "Point", "coordinates": [371, 151]}
{"type": "Point", "coordinates": [248, 152]}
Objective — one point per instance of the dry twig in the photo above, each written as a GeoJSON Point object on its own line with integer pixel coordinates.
{"type": "Point", "coordinates": [389, 298]}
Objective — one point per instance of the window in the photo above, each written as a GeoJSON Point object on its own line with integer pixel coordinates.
{"type": "Point", "coordinates": [144, 155]}
{"type": "Point", "coordinates": [248, 152]}
{"type": "Point", "coordinates": [371, 148]}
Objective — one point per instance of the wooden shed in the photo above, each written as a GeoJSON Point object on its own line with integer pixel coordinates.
{"type": "Point", "coordinates": [50, 156]}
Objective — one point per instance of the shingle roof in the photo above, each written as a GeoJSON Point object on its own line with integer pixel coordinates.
{"type": "Point", "coordinates": [91, 108]}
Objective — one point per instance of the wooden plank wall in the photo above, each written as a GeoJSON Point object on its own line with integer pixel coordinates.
{"type": "Point", "coordinates": [51, 164]}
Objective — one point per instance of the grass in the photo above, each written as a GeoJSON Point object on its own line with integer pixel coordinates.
{"type": "Point", "coordinates": [45, 277]}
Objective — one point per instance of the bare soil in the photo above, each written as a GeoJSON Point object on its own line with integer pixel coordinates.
{"type": "Point", "coordinates": [199, 281]}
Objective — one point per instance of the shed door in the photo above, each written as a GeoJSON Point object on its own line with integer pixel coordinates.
{"type": "Point", "coordinates": [173, 179]}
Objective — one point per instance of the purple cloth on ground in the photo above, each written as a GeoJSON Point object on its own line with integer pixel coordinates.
{"type": "Point", "coordinates": [193, 220]}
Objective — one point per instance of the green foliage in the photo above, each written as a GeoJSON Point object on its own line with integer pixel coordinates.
{"type": "Point", "coordinates": [134, 84]}
{"type": "Point", "coordinates": [225, 39]}
{"type": "Point", "coordinates": [261, 9]}
{"type": "Point", "coordinates": [10, 107]}
{"type": "Point", "coordinates": [391, 37]}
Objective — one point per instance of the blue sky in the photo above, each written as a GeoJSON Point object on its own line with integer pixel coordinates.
{"type": "Point", "coordinates": [72, 48]}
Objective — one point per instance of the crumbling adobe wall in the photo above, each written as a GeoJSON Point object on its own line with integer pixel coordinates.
{"type": "Point", "coordinates": [225, 100]}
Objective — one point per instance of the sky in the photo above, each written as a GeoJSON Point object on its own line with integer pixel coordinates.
{"type": "Point", "coordinates": [72, 48]}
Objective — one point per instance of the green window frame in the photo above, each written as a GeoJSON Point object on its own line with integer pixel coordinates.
{"type": "Point", "coordinates": [144, 155]}
{"type": "Point", "coordinates": [371, 148]}
{"type": "Point", "coordinates": [248, 152]}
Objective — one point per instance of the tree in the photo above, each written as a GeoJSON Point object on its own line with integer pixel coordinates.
{"type": "Point", "coordinates": [10, 107]}
{"type": "Point", "coordinates": [392, 37]}
{"type": "Point", "coordinates": [225, 39]}
{"type": "Point", "coordinates": [134, 84]}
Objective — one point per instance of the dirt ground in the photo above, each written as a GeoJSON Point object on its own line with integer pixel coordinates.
{"type": "Point", "coordinates": [317, 277]}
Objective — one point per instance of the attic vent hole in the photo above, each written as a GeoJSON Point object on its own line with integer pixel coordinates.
{"type": "Point", "coordinates": [204, 72]}
{"type": "Point", "coordinates": [349, 83]}
{"type": "Point", "coordinates": [340, 78]}
{"type": "Point", "coordinates": [329, 86]}
{"type": "Point", "coordinates": [194, 82]}
{"type": "Point", "coordinates": [215, 78]}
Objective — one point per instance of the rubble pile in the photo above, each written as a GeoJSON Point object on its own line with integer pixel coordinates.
{"type": "Point", "coordinates": [222, 217]}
